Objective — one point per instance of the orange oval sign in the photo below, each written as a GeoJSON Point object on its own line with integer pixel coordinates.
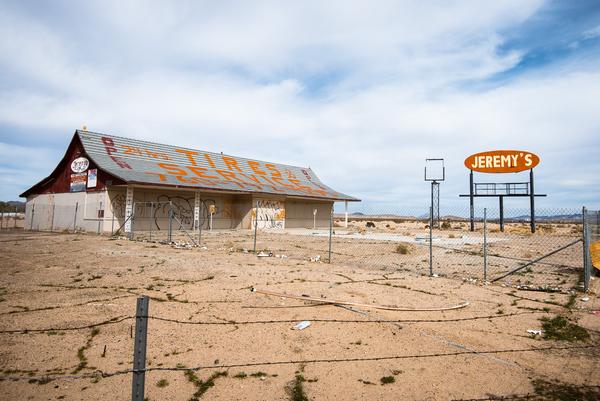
{"type": "Point", "coordinates": [502, 161]}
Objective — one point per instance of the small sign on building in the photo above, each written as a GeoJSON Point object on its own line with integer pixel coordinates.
{"type": "Point", "coordinates": [78, 182]}
{"type": "Point", "coordinates": [92, 178]}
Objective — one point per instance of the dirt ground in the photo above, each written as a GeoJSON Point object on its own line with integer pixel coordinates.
{"type": "Point", "coordinates": [67, 303]}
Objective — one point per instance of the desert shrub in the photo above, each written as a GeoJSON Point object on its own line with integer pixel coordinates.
{"type": "Point", "coordinates": [403, 249]}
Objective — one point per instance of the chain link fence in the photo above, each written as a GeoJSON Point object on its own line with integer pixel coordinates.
{"type": "Point", "coordinates": [493, 248]}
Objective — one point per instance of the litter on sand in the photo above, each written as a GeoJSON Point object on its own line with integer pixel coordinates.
{"type": "Point", "coordinates": [265, 254]}
{"type": "Point", "coordinates": [535, 332]}
{"type": "Point", "coordinates": [302, 325]}
{"type": "Point", "coordinates": [305, 297]}
{"type": "Point", "coordinates": [585, 299]}
{"type": "Point", "coordinates": [316, 258]}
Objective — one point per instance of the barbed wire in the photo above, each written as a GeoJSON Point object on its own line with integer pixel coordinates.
{"type": "Point", "coordinates": [100, 373]}
{"type": "Point", "coordinates": [120, 319]}
{"type": "Point", "coordinates": [113, 320]}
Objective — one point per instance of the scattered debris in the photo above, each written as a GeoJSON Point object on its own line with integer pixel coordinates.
{"type": "Point", "coordinates": [585, 299]}
{"type": "Point", "coordinates": [535, 332]}
{"type": "Point", "coordinates": [302, 325]}
{"type": "Point", "coordinates": [304, 297]}
{"type": "Point", "coordinates": [265, 255]}
{"type": "Point", "coordinates": [281, 256]}
{"type": "Point", "coordinates": [181, 245]}
{"type": "Point", "coordinates": [316, 258]}
{"type": "Point", "coordinates": [435, 275]}
{"type": "Point", "coordinates": [370, 224]}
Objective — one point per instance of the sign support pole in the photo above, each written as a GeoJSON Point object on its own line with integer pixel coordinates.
{"type": "Point", "coordinates": [471, 202]}
{"type": "Point", "coordinates": [501, 205]}
{"type": "Point", "coordinates": [532, 200]}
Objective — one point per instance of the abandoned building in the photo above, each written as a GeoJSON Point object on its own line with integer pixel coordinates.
{"type": "Point", "coordinates": [105, 182]}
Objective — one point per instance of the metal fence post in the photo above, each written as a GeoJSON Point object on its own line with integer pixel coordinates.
{"type": "Point", "coordinates": [484, 245]}
{"type": "Point", "coordinates": [98, 217]}
{"type": "Point", "coordinates": [586, 246]}
{"type": "Point", "coordinates": [330, 231]}
{"type": "Point", "coordinates": [200, 222]}
{"type": "Point", "coordinates": [255, 225]}
{"type": "Point", "coordinates": [151, 218]}
{"type": "Point", "coordinates": [170, 233]}
{"type": "Point", "coordinates": [75, 217]}
{"type": "Point", "coordinates": [53, 212]}
{"type": "Point", "coordinates": [139, 349]}
{"type": "Point", "coordinates": [32, 215]}
{"type": "Point", "coordinates": [132, 221]}
{"type": "Point", "coordinates": [431, 240]}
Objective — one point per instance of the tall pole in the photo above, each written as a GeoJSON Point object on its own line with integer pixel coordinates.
{"type": "Point", "coordinates": [484, 245]}
{"type": "Point", "coordinates": [586, 246]}
{"type": "Point", "coordinates": [532, 200]}
{"type": "Point", "coordinates": [472, 201]}
{"type": "Point", "coordinates": [501, 205]}
{"type": "Point", "coordinates": [431, 241]}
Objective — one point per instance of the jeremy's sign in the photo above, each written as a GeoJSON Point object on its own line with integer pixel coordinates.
{"type": "Point", "coordinates": [502, 161]}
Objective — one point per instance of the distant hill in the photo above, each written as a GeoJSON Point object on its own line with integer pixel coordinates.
{"type": "Point", "coordinates": [9, 206]}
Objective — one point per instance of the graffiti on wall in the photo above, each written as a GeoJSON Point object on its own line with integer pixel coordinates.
{"type": "Point", "coordinates": [155, 210]}
{"type": "Point", "coordinates": [271, 214]}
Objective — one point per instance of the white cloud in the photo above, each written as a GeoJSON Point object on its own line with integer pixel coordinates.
{"type": "Point", "coordinates": [238, 78]}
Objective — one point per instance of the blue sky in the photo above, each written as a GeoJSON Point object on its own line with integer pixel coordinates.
{"type": "Point", "coordinates": [361, 92]}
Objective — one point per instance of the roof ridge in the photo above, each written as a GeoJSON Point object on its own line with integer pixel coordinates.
{"type": "Point", "coordinates": [78, 131]}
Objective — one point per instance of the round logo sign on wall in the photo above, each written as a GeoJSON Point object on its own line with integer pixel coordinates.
{"type": "Point", "coordinates": [79, 165]}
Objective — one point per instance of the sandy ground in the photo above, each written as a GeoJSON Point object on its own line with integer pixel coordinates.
{"type": "Point", "coordinates": [66, 285]}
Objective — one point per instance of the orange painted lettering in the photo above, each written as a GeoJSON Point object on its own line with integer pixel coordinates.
{"type": "Point", "coordinates": [200, 172]}
{"type": "Point", "coordinates": [255, 167]}
{"type": "Point", "coordinates": [274, 171]}
{"type": "Point", "coordinates": [172, 168]}
{"type": "Point", "coordinates": [231, 163]}
{"type": "Point", "coordinates": [209, 160]}
{"type": "Point", "coordinates": [161, 176]}
{"type": "Point", "coordinates": [190, 155]}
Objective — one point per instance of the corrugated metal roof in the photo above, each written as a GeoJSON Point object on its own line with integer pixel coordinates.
{"type": "Point", "coordinates": [141, 162]}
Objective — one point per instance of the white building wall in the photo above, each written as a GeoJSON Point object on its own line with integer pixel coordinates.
{"type": "Point", "coordinates": [76, 211]}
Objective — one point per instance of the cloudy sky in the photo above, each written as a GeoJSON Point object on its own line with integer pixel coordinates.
{"type": "Point", "coordinates": [360, 91]}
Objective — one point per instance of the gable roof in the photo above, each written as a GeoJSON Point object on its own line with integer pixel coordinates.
{"type": "Point", "coordinates": [140, 162]}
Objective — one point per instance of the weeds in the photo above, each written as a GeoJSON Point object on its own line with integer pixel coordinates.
{"type": "Point", "coordinates": [202, 386]}
{"type": "Point", "coordinates": [403, 249]}
{"type": "Point", "coordinates": [559, 328]}
{"type": "Point", "coordinates": [162, 383]}
{"type": "Point", "coordinates": [81, 351]}
{"type": "Point", "coordinates": [387, 380]}
{"type": "Point", "coordinates": [297, 389]}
